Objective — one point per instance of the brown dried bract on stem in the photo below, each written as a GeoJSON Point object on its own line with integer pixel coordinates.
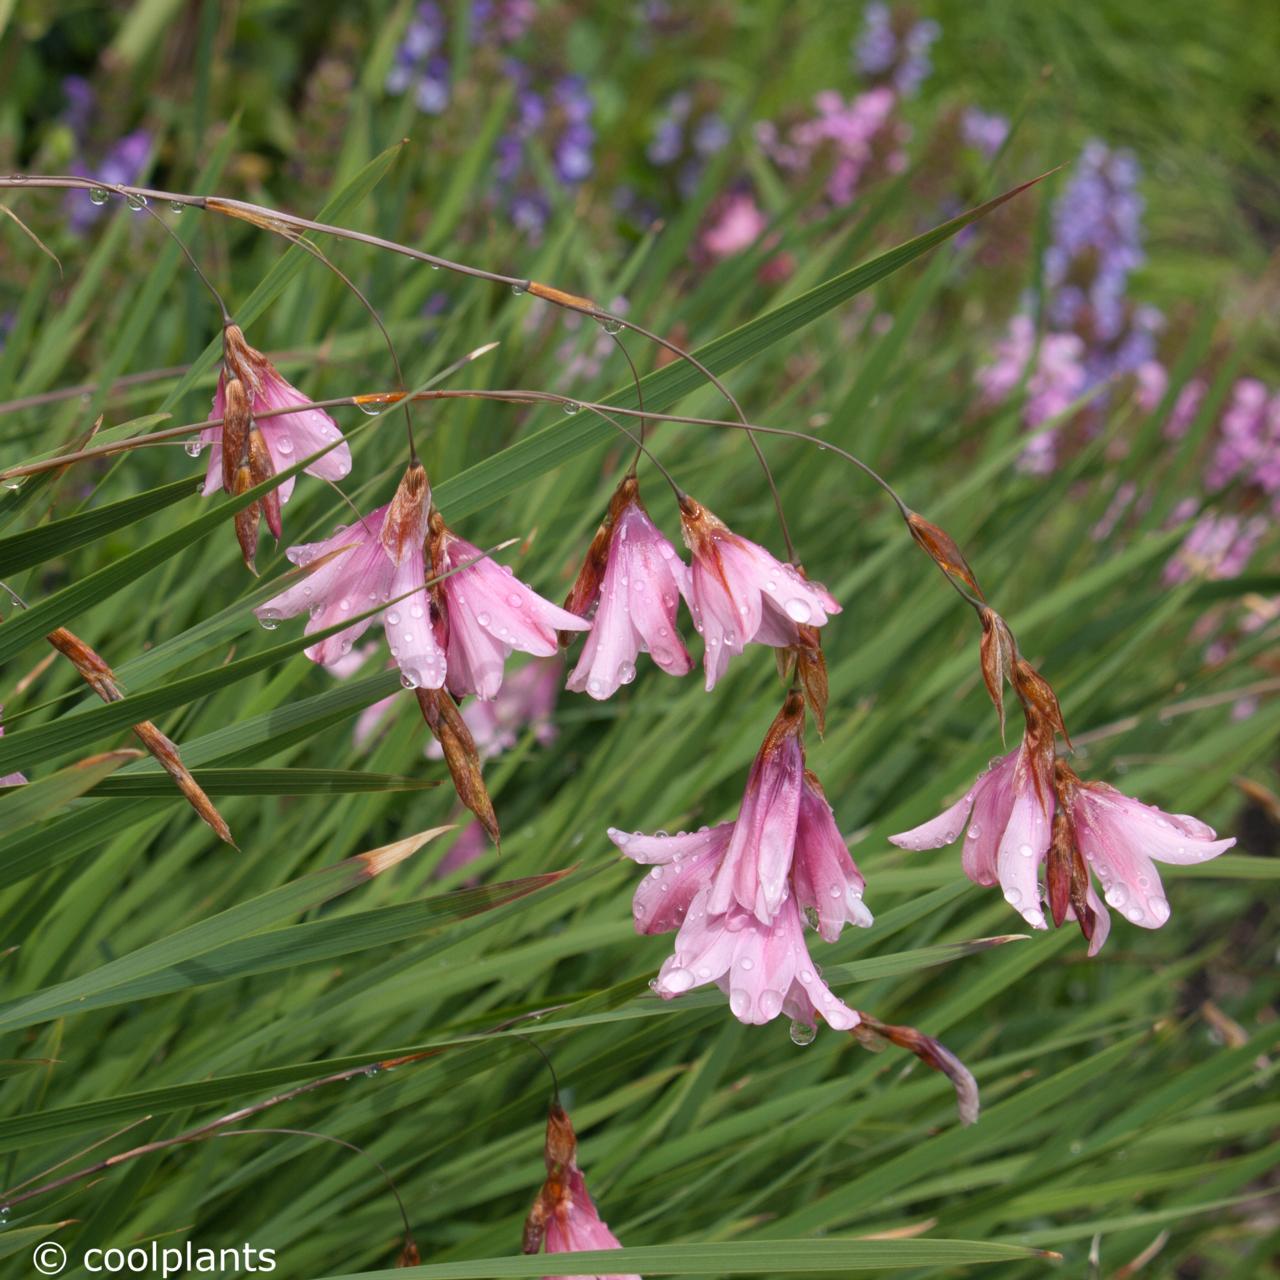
{"type": "Point", "coordinates": [932, 1053]}
{"type": "Point", "coordinates": [998, 651]}
{"type": "Point", "coordinates": [1066, 873]}
{"type": "Point", "coordinates": [941, 547]}
{"type": "Point", "coordinates": [405, 524]}
{"type": "Point", "coordinates": [560, 296]}
{"type": "Point", "coordinates": [101, 679]}
{"type": "Point", "coordinates": [1039, 702]}
{"type": "Point", "coordinates": [559, 1152]}
{"type": "Point", "coordinates": [460, 754]}
{"type": "Point", "coordinates": [806, 662]}
{"type": "Point", "coordinates": [586, 587]}
{"type": "Point", "coordinates": [237, 420]}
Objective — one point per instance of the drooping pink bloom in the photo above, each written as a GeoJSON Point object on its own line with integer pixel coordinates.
{"type": "Point", "coordinates": [376, 560]}
{"type": "Point", "coordinates": [576, 1227]}
{"type": "Point", "coordinates": [633, 579]}
{"type": "Point", "coordinates": [10, 779]}
{"type": "Point", "coordinates": [564, 1216]}
{"type": "Point", "coordinates": [735, 891]}
{"type": "Point", "coordinates": [1011, 812]}
{"type": "Point", "coordinates": [1008, 837]}
{"type": "Point", "coordinates": [1120, 837]}
{"type": "Point", "coordinates": [739, 594]}
{"type": "Point", "coordinates": [289, 437]}
{"type": "Point", "coordinates": [490, 613]}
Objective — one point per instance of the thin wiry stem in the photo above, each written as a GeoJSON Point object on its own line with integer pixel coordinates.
{"type": "Point", "coordinates": [276, 220]}
{"type": "Point", "coordinates": [190, 257]}
{"type": "Point", "coordinates": [303, 243]}
{"type": "Point", "coordinates": [340, 1142]}
{"type": "Point", "coordinates": [635, 378]}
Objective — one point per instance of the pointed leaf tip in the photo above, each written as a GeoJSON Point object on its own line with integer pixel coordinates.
{"type": "Point", "coordinates": [376, 861]}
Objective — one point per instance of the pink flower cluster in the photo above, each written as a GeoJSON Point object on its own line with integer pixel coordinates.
{"type": "Point", "coordinates": [1055, 377]}
{"type": "Point", "coordinates": [1248, 446]}
{"type": "Point", "coordinates": [853, 135]}
{"type": "Point", "coordinates": [1010, 813]}
{"type": "Point", "coordinates": [735, 892]}
{"type": "Point", "coordinates": [1218, 545]}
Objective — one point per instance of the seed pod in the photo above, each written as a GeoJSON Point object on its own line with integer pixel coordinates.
{"type": "Point", "coordinates": [246, 520]}
{"type": "Point", "coordinates": [1038, 699]}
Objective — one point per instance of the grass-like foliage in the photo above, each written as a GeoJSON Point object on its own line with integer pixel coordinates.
{"type": "Point", "coordinates": [285, 1034]}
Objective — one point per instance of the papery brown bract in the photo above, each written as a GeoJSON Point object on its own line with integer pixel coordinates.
{"type": "Point", "coordinates": [563, 1214]}
{"type": "Point", "coordinates": [460, 754]}
{"type": "Point", "coordinates": [95, 672]}
{"type": "Point", "coordinates": [997, 652]}
{"type": "Point", "coordinates": [236, 422]}
{"type": "Point", "coordinates": [934, 1054]}
{"type": "Point", "coordinates": [942, 548]}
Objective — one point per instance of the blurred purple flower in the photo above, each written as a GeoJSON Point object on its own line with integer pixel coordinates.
{"type": "Point", "coordinates": [560, 120]}
{"type": "Point", "coordinates": [123, 164]}
{"type": "Point", "coordinates": [686, 135]}
{"type": "Point", "coordinates": [892, 52]}
{"type": "Point", "coordinates": [1097, 242]}
{"type": "Point", "coordinates": [77, 115]}
{"type": "Point", "coordinates": [983, 131]}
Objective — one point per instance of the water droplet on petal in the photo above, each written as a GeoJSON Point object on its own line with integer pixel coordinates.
{"type": "Point", "coordinates": [483, 619]}
{"type": "Point", "coordinates": [284, 444]}
{"type": "Point", "coordinates": [799, 610]}
{"type": "Point", "coordinates": [515, 600]}
{"type": "Point", "coordinates": [1026, 850]}
{"type": "Point", "coordinates": [410, 679]}
{"type": "Point", "coordinates": [803, 1034]}
{"type": "Point", "coordinates": [393, 617]}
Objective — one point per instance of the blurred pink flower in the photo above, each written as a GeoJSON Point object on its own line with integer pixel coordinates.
{"type": "Point", "coordinates": [470, 846]}
{"type": "Point", "coordinates": [1217, 547]}
{"type": "Point", "coordinates": [1184, 409]}
{"type": "Point", "coordinates": [736, 225]}
{"type": "Point", "coordinates": [851, 135]}
{"type": "Point", "coordinates": [739, 594]}
{"type": "Point", "coordinates": [526, 699]}
{"type": "Point", "coordinates": [1056, 380]}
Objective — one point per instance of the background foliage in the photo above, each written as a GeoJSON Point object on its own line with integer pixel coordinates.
{"type": "Point", "coordinates": [154, 978]}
